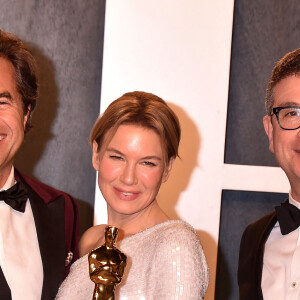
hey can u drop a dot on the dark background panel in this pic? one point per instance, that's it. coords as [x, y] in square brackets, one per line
[66, 37]
[263, 31]
[238, 209]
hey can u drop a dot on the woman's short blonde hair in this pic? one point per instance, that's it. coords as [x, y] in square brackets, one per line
[142, 109]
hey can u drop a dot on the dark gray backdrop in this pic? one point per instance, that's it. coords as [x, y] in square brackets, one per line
[66, 38]
[263, 31]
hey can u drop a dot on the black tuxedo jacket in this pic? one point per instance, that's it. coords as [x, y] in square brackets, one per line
[56, 220]
[251, 257]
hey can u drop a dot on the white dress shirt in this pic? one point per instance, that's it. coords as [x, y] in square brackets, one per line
[20, 257]
[281, 264]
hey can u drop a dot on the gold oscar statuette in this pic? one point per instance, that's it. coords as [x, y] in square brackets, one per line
[106, 266]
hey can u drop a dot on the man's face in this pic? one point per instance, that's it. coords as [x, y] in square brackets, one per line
[285, 144]
[12, 119]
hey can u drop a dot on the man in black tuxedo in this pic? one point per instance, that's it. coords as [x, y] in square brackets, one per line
[38, 224]
[269, 261]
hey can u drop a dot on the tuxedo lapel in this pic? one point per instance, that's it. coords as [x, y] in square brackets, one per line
[5, 293]
[251, 257]
[50, 227]
[261, 249]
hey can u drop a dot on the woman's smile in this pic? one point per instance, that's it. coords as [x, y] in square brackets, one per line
[127, 196]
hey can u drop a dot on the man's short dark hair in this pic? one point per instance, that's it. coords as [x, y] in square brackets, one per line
[289, 65]
[14, 50]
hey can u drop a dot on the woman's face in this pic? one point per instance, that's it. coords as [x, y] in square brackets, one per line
[130, 169]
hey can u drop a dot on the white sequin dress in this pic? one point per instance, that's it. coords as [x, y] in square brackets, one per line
[165, 261]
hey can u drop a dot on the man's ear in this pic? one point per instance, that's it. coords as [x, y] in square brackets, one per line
[26, 116]
[168, 169]
[96, 156]
[267, 121]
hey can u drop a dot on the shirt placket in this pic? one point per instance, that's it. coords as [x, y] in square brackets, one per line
[293, 290]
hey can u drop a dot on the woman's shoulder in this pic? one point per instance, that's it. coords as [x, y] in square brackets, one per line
[162, 235]
[179, 242]
[91, 239]
[177, 229]
[166, 235]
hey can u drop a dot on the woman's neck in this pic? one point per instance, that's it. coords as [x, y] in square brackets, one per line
[131, 224]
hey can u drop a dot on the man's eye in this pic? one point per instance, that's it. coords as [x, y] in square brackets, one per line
[5, 98]
[292, 113]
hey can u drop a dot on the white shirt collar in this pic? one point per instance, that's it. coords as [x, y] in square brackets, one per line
[10, 180]
[292, 201]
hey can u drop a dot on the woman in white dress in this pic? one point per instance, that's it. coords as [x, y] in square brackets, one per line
[135, 143]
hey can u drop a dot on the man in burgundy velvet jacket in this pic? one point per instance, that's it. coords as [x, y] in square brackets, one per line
[38, 224]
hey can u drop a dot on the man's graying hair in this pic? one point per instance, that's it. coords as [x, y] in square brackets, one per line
[289, 65]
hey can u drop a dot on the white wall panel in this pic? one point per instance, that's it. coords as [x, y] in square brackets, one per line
[179, 50]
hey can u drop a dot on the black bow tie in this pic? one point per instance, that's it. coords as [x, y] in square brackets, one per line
[288, 216]
[16, 197]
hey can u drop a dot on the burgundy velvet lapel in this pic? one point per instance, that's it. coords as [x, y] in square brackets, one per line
[5, 293]
[50, 226]
[46, 193]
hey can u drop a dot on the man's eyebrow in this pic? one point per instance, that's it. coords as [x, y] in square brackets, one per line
[5, 95]
[289, 103]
